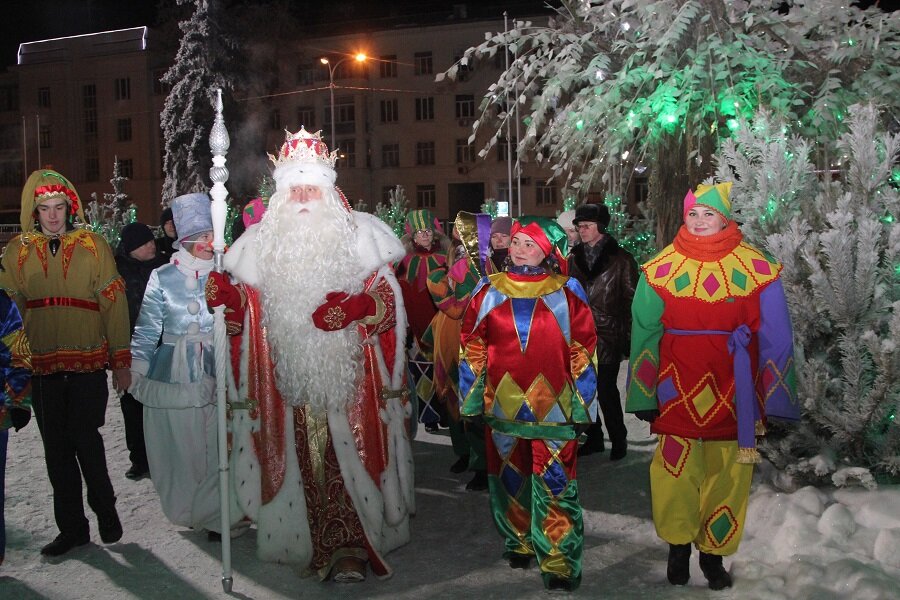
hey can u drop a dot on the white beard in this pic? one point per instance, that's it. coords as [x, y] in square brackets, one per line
[303, 256]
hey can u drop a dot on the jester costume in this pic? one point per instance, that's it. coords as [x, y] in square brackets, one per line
[527, 368]
[451, 287]
[412, 273]
[15, 389]
[712, 353]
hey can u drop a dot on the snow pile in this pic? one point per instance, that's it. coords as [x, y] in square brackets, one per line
[822, 543]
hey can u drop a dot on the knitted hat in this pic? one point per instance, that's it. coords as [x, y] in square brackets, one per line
[417, 220]
[565, 219]
[304, 159]
[596, 213]
[501, 225]
[192, 216]
[716, 197]
[133, 236]
[549, 235]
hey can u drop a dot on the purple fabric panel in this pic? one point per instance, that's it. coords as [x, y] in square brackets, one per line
[776, 346]
[483, 224]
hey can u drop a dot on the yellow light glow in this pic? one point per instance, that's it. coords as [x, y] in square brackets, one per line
[360, 57]
[323, 60]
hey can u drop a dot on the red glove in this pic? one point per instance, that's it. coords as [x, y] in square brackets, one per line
[340, 310]
[221, 292]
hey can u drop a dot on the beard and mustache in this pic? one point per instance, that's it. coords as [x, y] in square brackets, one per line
[306, 251]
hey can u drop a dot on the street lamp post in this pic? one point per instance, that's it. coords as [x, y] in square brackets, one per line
[332, 67]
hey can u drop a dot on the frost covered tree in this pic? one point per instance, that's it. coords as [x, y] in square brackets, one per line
[201, 65]
[394, 211]
[661, 82]
[108, 216]
[837, 235]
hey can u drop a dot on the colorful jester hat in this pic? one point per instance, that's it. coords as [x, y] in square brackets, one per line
[419, 220]
[46, 184]
[716, 197]
[548, 235]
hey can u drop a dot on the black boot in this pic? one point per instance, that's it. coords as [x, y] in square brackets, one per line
[479, 482]
[678, 570]
[715, 573]
[461, 465]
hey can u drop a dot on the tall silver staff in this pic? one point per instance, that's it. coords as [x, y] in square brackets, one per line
[218, 144]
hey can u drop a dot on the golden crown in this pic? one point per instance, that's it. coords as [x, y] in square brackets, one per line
[304, 147]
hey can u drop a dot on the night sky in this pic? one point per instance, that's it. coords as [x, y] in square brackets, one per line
[32, 20]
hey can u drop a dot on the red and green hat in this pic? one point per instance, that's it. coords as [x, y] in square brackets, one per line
[549, 235]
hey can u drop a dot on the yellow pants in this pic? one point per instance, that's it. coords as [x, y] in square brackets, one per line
[699, 493]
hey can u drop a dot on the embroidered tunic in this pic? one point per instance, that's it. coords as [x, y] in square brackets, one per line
[76, 318]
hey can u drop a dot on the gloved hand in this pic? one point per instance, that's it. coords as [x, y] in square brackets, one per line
[340, 310]
[19, 417]
[221, 292]
[647, 415]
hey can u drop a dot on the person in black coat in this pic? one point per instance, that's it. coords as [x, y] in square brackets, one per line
[136, 257]
[609, 274]
[164, 243]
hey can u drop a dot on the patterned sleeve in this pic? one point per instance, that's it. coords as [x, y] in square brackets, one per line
[582, 354]
[15, 361]
[473, 357]
[385, 317]
[646, 333]
[776, 380]
[110, 294]
[149, 326]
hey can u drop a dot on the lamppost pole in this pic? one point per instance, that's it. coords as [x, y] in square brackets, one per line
[359, 57]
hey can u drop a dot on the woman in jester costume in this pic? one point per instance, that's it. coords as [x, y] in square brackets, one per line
[426, 250]
[528, 370]
[451, 289]
[711, 359]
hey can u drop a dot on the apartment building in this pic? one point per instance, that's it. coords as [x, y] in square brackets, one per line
[78, 103]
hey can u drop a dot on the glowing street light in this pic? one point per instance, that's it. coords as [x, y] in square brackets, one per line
[332, 67]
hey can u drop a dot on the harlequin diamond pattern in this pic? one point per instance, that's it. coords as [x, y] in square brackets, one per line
[762, 267]
[704, 400]
[739, 279]
[674, 453]
[682, 281]
[711, 284]
[721, 526]
[557, 524]
[662, 270]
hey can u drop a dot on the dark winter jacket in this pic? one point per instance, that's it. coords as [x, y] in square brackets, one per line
[136, 273]
[609, 285]
[164, 248]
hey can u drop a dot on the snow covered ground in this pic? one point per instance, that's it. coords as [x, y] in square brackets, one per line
[813, 543]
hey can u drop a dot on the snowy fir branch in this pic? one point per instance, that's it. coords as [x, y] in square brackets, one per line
[836, 234]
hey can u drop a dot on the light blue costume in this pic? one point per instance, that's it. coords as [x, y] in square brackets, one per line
[178, 391]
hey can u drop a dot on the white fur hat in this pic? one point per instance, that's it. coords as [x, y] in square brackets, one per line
[565, 219]
[304, 159]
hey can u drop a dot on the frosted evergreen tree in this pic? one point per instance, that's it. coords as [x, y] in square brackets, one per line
[200, 67]
[661, 82]
[839, 241]
[108, 216]
[394, 212]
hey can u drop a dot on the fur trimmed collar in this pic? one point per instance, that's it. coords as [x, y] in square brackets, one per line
[610, 248]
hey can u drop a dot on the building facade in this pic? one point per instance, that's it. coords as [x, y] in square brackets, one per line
[79, 103]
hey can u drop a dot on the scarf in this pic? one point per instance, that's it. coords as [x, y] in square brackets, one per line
[708, 247]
